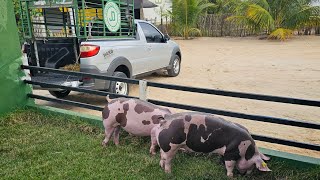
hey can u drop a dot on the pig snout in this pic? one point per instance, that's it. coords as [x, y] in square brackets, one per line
[250, 158]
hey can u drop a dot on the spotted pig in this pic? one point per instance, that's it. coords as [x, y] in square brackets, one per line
[135, 116]
[206, 133]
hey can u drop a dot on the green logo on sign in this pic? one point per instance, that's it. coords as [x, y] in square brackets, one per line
[111, 16]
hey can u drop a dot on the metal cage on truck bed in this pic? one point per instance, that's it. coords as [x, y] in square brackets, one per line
[84, 19]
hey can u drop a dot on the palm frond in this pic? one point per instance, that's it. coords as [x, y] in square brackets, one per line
[260, 16]
[281, 34]
[186, 14]
[263, 3]
[306, 15]
[194, 30]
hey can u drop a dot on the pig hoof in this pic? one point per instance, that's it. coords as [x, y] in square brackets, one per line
[230, 175]
[183, 150]
[152, 152]
[167, 171]
[161, 164]
[104, 144]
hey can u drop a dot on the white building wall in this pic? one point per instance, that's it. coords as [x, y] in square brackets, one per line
[155, 13]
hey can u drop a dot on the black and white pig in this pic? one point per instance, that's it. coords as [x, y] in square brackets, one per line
[135, 116]
[197, 132]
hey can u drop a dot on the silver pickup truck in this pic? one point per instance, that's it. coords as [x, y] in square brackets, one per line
[149, 51]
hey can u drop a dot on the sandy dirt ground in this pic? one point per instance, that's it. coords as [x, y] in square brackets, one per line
[290, 69]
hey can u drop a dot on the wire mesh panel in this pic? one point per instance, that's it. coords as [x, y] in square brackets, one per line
[96, 16]
[77, 18]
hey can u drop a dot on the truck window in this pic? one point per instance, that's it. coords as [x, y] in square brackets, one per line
[152, 34]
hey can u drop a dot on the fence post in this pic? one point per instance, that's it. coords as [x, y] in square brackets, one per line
[143, 90]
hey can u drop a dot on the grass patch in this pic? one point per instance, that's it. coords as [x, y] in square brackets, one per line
[33, 145]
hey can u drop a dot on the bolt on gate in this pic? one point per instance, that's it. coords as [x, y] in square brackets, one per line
[143, 85]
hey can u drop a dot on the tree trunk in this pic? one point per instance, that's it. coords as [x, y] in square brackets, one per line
[317, 31]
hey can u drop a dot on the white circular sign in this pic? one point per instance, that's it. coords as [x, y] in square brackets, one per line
[112, 16]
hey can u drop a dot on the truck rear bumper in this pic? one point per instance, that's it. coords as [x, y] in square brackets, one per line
[90, 83]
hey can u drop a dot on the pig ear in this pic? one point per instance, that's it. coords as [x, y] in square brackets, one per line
[262, 166]
[264, 157]
[162, 121]
[108, 98]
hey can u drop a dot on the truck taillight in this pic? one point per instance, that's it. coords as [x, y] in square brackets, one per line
[88, 50]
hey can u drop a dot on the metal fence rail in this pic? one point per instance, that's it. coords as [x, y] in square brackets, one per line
[260, 118]
[237, 94]
[240, 115]
[186, 88]
[81, 74]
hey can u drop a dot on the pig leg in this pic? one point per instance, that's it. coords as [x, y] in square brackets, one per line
[168, 158]
[116, 135]
[230, 166]
[162, 159]
[153, 142]
[108, 133]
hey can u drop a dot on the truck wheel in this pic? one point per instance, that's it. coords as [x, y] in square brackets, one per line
[119, 87]
[60, 94]
[175, 67]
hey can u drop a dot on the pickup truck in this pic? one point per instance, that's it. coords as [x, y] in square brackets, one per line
[148, 52]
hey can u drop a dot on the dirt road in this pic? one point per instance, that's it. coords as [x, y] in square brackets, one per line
[289, 69]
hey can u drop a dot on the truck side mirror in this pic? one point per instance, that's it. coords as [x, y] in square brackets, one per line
[166, 37]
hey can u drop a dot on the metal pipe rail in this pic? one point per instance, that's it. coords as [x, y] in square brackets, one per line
[267, 119]
[242, 95]
[89, 91]
[79, 74]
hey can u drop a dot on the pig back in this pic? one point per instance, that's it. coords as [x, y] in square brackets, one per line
[135, 116]
[201, 133]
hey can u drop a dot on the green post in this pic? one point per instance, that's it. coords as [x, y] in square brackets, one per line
[21, 17]
[104, 23]
[13, 92]
[76, 18]
[30, 29]
[119, 4]
[84, 19]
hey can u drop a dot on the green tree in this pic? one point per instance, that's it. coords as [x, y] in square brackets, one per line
[185, 14]
[223, 6]
[278, 18]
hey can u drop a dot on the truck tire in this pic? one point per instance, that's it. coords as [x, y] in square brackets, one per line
[119, 87]
[60, 94]
[175, 67]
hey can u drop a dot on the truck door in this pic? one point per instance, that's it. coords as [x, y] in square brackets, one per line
[159, 49]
